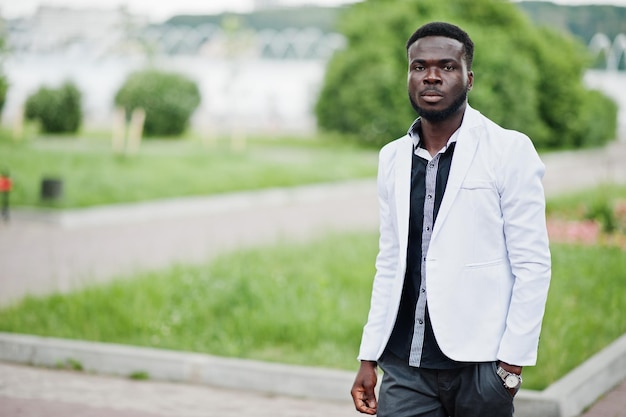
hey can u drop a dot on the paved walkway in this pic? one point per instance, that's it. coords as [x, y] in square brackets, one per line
[36, 392]
[40, 252]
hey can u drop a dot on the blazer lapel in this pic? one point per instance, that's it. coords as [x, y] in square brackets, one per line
[464, 151]
[404, 159]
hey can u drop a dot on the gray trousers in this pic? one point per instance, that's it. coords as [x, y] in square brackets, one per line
[471, 391]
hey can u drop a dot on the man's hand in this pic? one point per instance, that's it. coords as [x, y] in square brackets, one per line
[363, 388]
[514, 369]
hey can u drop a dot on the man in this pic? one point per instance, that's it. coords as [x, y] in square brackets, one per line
[463, 270]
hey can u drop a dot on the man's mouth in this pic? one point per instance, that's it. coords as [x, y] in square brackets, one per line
[431, 96]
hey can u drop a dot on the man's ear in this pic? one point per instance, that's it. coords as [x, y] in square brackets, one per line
[470, 80]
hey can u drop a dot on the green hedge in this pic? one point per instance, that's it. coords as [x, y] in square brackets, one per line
[4, 86]
[57, 109]
[526, 78]
[169, 100]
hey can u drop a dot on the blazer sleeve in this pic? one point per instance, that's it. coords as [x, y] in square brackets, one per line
[523, 210]
[386, 260]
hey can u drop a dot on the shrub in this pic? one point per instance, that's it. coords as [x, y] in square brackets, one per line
[58, 110]
[4, 83]
[526, 78]
[168, 99]
[4, 86]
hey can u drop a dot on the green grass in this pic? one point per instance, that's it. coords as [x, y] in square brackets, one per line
[139, 375]
[306, 304]
[599, 204]
[93, 175]
[293, 303]
[585, 309]
[577, 205]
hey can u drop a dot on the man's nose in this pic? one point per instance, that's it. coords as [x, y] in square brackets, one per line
[432, 76]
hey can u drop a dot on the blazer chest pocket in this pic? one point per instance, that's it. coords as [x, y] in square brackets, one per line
[478, 205]
[478, 185]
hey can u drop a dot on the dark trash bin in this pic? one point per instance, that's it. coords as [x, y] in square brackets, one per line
[51, 189]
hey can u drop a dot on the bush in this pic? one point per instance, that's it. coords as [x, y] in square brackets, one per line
[4, 86]
[58, 110]
[168, 99]
[526, 78]
[4, 83]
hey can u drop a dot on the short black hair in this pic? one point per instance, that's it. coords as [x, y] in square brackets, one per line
[447, 30]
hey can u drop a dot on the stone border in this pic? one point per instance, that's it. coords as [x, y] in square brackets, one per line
[184, 207]
[167, 365]
[568, 397]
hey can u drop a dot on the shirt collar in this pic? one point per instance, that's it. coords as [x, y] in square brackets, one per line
[414, 134]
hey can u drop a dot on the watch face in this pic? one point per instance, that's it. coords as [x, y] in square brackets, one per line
[511, 381]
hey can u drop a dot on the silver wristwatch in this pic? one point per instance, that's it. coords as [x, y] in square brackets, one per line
[510, 379]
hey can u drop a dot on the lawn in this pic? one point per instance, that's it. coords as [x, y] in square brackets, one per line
[268, 304]
[93, 174]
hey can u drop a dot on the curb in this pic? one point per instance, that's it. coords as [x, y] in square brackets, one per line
[568, 397]
[173, 366]
[585, 384]
[181, 207]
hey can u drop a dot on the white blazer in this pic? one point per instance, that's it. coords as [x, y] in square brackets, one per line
[488, 263]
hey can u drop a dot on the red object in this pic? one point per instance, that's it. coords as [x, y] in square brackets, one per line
[5, 184]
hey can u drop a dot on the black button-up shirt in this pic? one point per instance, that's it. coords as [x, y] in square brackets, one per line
[412, 337]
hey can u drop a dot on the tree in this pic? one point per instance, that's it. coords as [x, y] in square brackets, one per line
[526, 78]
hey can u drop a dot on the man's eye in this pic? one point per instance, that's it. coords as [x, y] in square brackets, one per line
[418, 68]
[448, 68]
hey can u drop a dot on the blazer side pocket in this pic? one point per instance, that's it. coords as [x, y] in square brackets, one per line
[486, 264]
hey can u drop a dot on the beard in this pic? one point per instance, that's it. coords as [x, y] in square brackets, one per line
[440, 115]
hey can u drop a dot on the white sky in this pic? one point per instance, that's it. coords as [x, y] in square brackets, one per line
[156, 9]
[159, 10]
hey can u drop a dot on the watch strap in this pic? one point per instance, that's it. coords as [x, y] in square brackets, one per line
[503, 373]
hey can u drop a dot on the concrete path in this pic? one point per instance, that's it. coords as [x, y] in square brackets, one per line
[42, 252]
[612, 405]
[37, 392]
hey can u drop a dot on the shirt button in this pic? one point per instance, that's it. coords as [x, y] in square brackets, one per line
[428, 228]
[431, 165]
[424, 259]
[429, 196]
[423, 290]
[420, 321]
